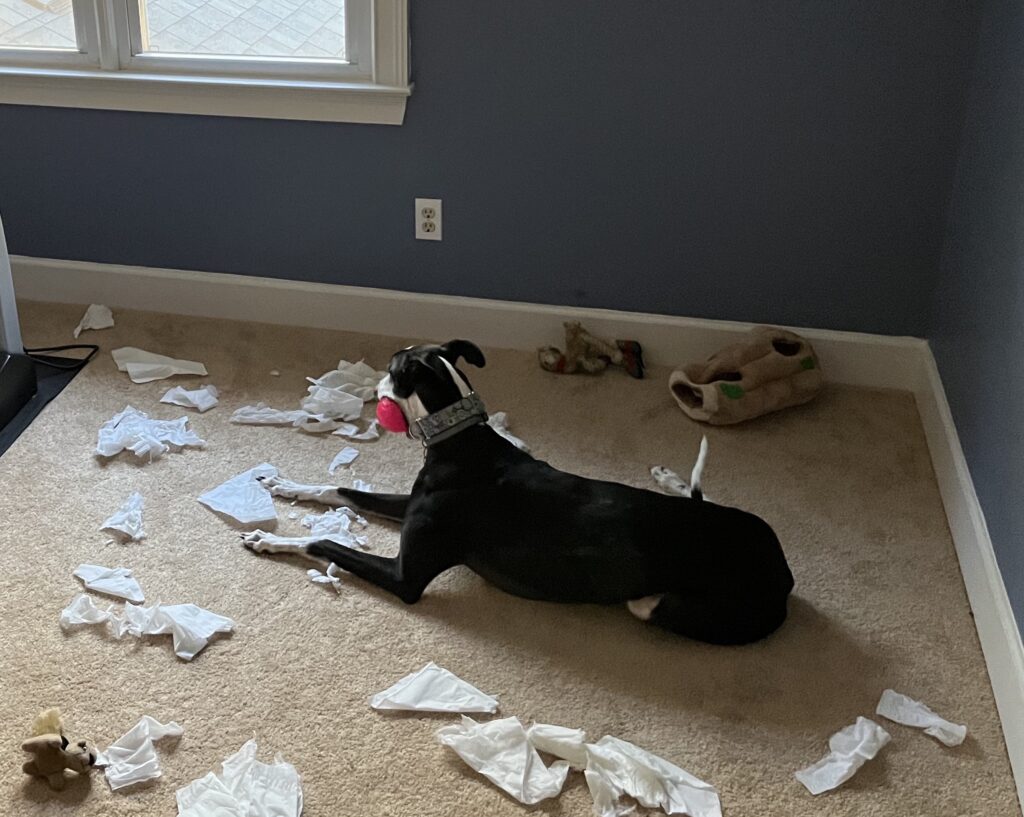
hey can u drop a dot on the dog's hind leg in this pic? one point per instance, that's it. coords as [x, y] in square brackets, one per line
[719, 617]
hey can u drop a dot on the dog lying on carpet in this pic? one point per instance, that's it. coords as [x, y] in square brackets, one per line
[709, 572]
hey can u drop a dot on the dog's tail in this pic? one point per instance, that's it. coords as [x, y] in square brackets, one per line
[698, 470]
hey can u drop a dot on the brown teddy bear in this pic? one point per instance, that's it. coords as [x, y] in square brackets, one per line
[584, 352]
[53, 753]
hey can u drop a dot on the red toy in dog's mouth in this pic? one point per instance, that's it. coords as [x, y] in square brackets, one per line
[390, 415]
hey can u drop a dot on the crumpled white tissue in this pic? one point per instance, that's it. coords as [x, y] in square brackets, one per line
[112, 581]
[336, 526]
[851, 748]
[901, 709]
[334, 403]
[244, 788]
[203, 398]
[96, 316]
[244, 498]
[359, 485]
[357, 379]
[560, 741]
[331, 576]
[144, 367]
[351, 430]
[499, 422]
[434, 689]
[190, 626]
[263, 415]
[132, 757]
[126, 522]
[616, 767]
[501, 752]
[133, 430]
[346, 456]
[670, 481]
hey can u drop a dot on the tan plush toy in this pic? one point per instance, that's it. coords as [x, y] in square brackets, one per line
[52, 753]
[773, 369]
[586, 353]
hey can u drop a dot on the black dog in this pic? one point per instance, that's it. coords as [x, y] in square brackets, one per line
[709, 572]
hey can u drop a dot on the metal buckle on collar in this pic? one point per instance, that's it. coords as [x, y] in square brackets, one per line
[449, 421]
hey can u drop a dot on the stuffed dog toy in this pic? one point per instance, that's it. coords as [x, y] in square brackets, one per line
[52, 753]
[706, 571]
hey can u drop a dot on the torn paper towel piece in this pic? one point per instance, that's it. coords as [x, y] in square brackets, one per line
[434, 689]
[850, 749]
[144, 367]
[616, 767]
[112, 581]
[324, 401]
[133, 430]
[126, 523]
[670, 481]
[203, 398]
[335, 526]
[244, 498]
[499, 422]
[132, 758]
[351, 430]
[96, 316]
[357, 379]
[190, 626]
[244, 788]
[263, 415]
[901, 709]
[560, 741]
[359, 485]
[346, 456]
[500, 751]
[331, 576]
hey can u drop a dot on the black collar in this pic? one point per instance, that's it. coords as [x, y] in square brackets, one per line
[449, 421]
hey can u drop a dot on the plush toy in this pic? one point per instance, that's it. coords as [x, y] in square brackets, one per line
[584, 352]
[772, 370]
[53, 753]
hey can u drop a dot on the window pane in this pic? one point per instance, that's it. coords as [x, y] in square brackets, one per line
[37, 23]
[264, 28]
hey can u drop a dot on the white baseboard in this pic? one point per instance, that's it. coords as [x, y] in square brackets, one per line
[846, 357]
[993, 616]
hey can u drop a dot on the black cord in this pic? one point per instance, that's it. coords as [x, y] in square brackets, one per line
[72, 363]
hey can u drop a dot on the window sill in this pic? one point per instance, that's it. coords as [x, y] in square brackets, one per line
[319, 101]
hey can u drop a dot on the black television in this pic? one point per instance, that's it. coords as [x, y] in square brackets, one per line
[17, 371]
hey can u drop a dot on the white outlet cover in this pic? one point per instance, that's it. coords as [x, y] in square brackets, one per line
[428, 229]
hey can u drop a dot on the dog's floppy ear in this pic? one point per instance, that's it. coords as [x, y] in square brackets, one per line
[454, 349]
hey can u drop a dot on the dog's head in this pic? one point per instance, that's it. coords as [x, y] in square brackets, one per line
[424, 379]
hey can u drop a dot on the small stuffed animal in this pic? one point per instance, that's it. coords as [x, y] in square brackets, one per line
[584, 352]
[53, 753]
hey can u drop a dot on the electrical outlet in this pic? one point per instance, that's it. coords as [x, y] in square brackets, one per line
[428, 219]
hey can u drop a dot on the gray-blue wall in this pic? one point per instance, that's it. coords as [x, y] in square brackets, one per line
[786, 161]
[977, 332]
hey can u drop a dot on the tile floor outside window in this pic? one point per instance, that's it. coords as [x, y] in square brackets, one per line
[273, 28]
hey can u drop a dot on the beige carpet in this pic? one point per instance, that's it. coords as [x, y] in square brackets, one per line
[846, 482]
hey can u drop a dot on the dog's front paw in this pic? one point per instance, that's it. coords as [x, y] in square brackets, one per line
[256, 541]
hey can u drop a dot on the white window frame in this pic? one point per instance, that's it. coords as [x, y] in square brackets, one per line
[108, 71]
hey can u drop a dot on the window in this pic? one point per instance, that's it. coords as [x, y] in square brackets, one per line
[333, 60]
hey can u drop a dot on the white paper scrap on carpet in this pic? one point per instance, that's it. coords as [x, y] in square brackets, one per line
[359, 485]
[243, 497]
[560, 741]
[346, 456]
[358, 379]
[263, 415]
[616, 767]
[97, 316]
[501, 752]
[144, 367]
[111, 581]
[190, 626]
[336, 526]
[351, 430]
[126, 522]
[204, 398]
[499, 422]
[245, 787]
[851, 748]
[132, 758]
[331, 576]
[907, 711]
[133, 430]
[434, 689]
